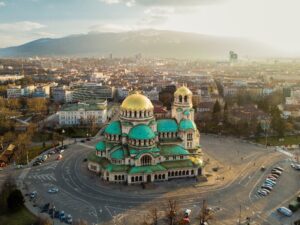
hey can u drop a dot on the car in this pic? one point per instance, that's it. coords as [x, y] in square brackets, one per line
[276, 175]
[262, 192]
[52, 212]
[61, 151]
[270, 181]
[33, 194]
[53, 190]
[285, 211]
[19, 166]
[45, 208]
[56, 214]
[82, 141]
[88, 139]
[62, 216]
[59, 157]
[276, 172]
[69, 219]
[267, 187]
[44, 158]
[272, 178]
[52, 152]
[36, 163]
[295, 166]
[279, 168]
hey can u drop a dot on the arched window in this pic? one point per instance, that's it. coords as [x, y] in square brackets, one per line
[146, 160]
[155, 177]
[132, 179]
[180, 98]
[163, 176]
[141, 178]
[159, 177]
[116, 177]
[185, 98]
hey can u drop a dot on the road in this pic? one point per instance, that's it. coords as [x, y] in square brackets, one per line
[83, 195]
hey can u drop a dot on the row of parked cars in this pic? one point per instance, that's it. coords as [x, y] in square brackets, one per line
[270, 181]
[58, 214]
[44, 157]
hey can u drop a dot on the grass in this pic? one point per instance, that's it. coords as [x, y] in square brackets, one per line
[21, 217]
[41, 137]
[275, 141]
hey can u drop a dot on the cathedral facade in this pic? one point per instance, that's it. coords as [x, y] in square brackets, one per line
[137, 148]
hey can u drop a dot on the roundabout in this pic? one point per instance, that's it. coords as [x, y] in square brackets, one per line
[85, 195]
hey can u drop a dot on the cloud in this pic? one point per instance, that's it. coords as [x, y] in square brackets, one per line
[163, 2]
[157, 15]
[20, 26]
[2, 4]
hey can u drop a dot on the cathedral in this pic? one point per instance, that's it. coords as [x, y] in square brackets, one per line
[137, 148]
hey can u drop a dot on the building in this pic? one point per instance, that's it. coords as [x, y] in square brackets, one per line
[92, 91]
[83, 113]
[138, 148]
[14, 92]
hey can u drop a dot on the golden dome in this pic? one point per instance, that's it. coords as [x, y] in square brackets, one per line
[183, 90]
[137, 101]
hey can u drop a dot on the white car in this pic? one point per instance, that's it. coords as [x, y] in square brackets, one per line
[53, 190]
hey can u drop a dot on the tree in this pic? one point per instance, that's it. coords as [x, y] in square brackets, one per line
[216, 114]
[22, 142]
[15, 200]
[277, 122]
[172, 210]
[80, 222]
[37, 105]
[6, 189]
[41, 220]
[205, 214]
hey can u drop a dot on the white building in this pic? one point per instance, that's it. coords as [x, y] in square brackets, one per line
[83, 113]
[14, 92]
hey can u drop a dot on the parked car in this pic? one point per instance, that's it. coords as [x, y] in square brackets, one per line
[44, 158]
[69, 219]
[59, 157]
[61, 151]
[279, 168]
[267, 187]
[82, 141]
[62, 216]
[56, 214]
[52, 152]
[263, 192]
[270, 181]
[276, 172]
[36, 163]
[45, 208]
[285, 211]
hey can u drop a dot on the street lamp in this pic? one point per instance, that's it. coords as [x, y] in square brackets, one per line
[62, 135]
[265, 124]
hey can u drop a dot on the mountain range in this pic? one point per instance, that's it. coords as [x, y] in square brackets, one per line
[150, 43]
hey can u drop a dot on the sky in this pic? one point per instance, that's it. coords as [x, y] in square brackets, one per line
[273, 22]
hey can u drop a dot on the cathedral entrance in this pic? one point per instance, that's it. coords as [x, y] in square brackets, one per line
[148, 178]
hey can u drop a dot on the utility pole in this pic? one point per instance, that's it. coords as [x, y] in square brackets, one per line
[240, 215]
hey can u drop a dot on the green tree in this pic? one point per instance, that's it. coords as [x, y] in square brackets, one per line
[216, 114]
[6, 189]
[15, 200]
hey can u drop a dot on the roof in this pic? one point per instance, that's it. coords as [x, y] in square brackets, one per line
[153, 151]
[141, 131]
[92, 157]
[183, 90]
[177, 164]
[167, 125]
[86, 106]
[186, 124]
[118, 153]
[146, 169]
[101, 146]
[173, 150]
[114, 128]
[117, 168]
[186, 112]
[137, 101]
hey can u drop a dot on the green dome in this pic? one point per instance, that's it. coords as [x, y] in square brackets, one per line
[186, 112]
[101, 146]
[167, 125]
[118, 154]
[114, 128]
[141, 132]
[186, 124]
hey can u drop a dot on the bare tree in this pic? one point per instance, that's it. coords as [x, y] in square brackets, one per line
[205, 214]
[172, 210]
[42, 220]
[154, 216]
[80, 222]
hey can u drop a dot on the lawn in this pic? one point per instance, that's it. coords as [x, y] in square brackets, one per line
[22, 217]
[276, 141]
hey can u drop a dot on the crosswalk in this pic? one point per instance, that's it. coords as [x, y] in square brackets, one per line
[43, 177]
